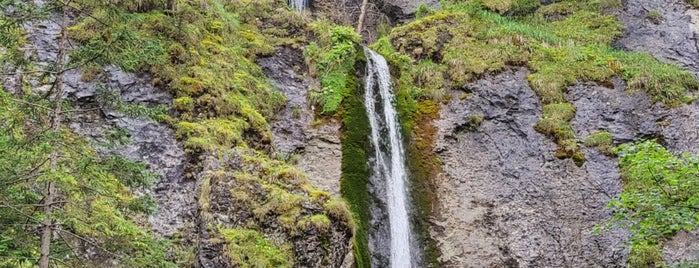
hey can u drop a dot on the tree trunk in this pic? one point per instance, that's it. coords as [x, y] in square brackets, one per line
[362, 15]
[56, 118]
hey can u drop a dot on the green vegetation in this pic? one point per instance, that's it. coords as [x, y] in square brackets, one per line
[204, 52]
[355, 171]
[603, 140]
[424, 166]
[654, 16]
[250, 249]
[474, 121]
[331, 60]
[513, 7]
[659, 198]
[97, 204]
[555, 122]
[561, 43]
[646, 255]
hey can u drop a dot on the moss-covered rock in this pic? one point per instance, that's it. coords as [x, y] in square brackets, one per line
[450, 47]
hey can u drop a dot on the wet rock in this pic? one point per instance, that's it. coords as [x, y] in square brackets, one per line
[285, 71]
[673, 40]
[504, 200]
[148, 141]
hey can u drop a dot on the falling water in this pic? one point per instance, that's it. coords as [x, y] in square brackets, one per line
[298, 4]
[389, 162]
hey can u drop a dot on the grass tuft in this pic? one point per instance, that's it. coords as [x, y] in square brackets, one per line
[603, 140]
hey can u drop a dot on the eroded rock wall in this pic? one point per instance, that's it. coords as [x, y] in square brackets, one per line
[672, 40]
[504, 200]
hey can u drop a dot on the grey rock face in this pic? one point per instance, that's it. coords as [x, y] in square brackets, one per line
[673, 40]
[409, 6]
[317, 148]
[321, 160]
[289, 126]
[684, 247]
[504, 200]
[149, 141]
[630, 116]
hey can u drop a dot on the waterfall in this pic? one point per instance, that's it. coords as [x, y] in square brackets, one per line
[298, 4]
[389, 157]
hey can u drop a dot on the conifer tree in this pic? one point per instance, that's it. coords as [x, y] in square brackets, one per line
[61, 203]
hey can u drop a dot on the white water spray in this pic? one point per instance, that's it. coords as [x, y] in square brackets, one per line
[390, 163]
[299, 5]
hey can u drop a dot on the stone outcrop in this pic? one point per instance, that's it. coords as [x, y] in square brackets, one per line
[313, 148]
[504, 200]
[673, 40]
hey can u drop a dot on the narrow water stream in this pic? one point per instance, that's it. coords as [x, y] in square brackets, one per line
[388, 167]
[298, 4]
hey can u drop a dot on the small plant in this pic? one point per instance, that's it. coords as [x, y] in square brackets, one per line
[654, 16]
[296, 112]
[423, 11]
[249, 248]
[474, 121]
[602, 140]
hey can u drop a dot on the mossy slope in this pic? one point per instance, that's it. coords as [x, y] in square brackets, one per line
[204, 52]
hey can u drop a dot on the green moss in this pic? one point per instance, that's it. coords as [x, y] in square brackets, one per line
[184, 104]
[338, 209]
[474, 121]
[555, 122]
[249, 248]
[579, 158]
[514, 7]
[464, 40]
[355, 172]
[319, 221]
[424, 166]
[423, 11]
[567, 7]
[204, 52]
[654, 16]
[603, 140]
